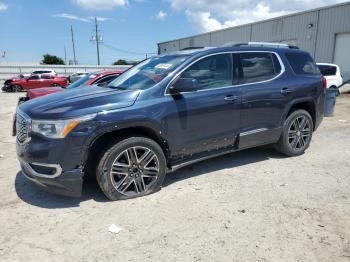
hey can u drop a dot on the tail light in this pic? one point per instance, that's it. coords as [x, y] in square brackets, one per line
[324, 82]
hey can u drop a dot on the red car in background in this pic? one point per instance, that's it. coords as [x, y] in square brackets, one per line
[97, 78]
[34, 81]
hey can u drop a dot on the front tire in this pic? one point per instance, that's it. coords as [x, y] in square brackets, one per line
[296, 134]
[16, 88]
[133, 167]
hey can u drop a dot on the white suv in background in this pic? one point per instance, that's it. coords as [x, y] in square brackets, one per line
[332, 74]
[45, 72]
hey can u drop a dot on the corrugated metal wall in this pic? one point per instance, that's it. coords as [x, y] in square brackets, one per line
[313, 31]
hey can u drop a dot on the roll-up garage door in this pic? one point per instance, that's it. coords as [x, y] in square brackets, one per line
[342, 54]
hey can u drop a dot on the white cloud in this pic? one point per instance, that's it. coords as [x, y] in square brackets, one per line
[3, 6]
[101, 18]
[82, 19]
[208, 15]
[72, 17]
[101, 4]
[161, 15]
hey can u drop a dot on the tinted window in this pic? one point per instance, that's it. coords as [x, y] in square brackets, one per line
[327, 70]
[42, 72]
[257, 67]
[34, 77]
[105, 80]
[46, 77]
[211, 72]
[302, 64]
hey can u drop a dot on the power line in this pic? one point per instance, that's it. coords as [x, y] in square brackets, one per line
[126, 51]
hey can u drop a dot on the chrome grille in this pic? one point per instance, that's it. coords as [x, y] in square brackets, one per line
[22, 128]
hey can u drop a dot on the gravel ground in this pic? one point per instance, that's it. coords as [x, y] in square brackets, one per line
[253, 205]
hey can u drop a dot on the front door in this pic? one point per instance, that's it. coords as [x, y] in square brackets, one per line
[207, 119]
[34, 81]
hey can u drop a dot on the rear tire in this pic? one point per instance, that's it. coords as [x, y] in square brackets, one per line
[296, 134]
[133, 167]
[55, 85]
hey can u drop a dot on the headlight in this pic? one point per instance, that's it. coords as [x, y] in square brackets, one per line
[58, 128]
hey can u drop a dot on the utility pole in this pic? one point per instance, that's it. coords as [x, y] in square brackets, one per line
[74, 57]
[65, 54]
[98, 39]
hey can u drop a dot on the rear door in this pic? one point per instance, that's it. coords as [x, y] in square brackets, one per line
[207, 119]
[264, 96]
[47, 80]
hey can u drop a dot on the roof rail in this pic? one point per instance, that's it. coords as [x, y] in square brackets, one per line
[267, 44]
[192, 47]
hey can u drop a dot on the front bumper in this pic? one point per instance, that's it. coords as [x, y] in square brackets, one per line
[54, 165]
[6, 88]
[63, 183]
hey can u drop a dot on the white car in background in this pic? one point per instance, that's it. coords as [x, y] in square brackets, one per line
[45, 72]
[332, 74]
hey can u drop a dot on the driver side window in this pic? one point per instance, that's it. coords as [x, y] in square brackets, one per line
[33, 77]
[212, 72]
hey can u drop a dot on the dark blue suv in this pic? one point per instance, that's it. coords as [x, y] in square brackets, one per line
[169, 111]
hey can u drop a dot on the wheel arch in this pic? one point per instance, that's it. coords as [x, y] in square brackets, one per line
[16, 84]
[306, 104]
[106, 139]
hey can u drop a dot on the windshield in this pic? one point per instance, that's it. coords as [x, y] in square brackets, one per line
[147, 73]
[82, 81]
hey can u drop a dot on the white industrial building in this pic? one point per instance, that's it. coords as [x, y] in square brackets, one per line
[324, 32]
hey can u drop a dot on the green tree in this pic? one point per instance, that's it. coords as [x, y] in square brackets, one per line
[120, 62]
[52, 60]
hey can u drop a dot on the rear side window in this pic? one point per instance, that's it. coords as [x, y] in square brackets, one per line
[46, 77]
[327, 70]
[302, 64]
[259, 66]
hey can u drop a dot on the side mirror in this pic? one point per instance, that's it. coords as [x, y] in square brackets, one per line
[183, 85]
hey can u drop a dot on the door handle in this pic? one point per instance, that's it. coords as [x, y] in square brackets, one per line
[231, 98]
[286, 91]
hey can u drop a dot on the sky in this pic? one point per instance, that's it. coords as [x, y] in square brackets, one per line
[129, 28]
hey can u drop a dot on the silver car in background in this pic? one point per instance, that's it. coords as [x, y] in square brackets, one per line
[76, 76]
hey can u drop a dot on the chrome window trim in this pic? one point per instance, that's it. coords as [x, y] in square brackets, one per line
[28, 126]
[36, 174]
[283, 69]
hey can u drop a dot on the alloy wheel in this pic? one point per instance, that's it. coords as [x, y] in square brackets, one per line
[17, 88]
[134, 171]
[299, 133]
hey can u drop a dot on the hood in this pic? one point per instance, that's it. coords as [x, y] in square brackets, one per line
[77, 102]
[33, 93]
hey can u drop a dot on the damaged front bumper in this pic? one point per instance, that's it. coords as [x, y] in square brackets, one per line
[54, 165]
[51, 178]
